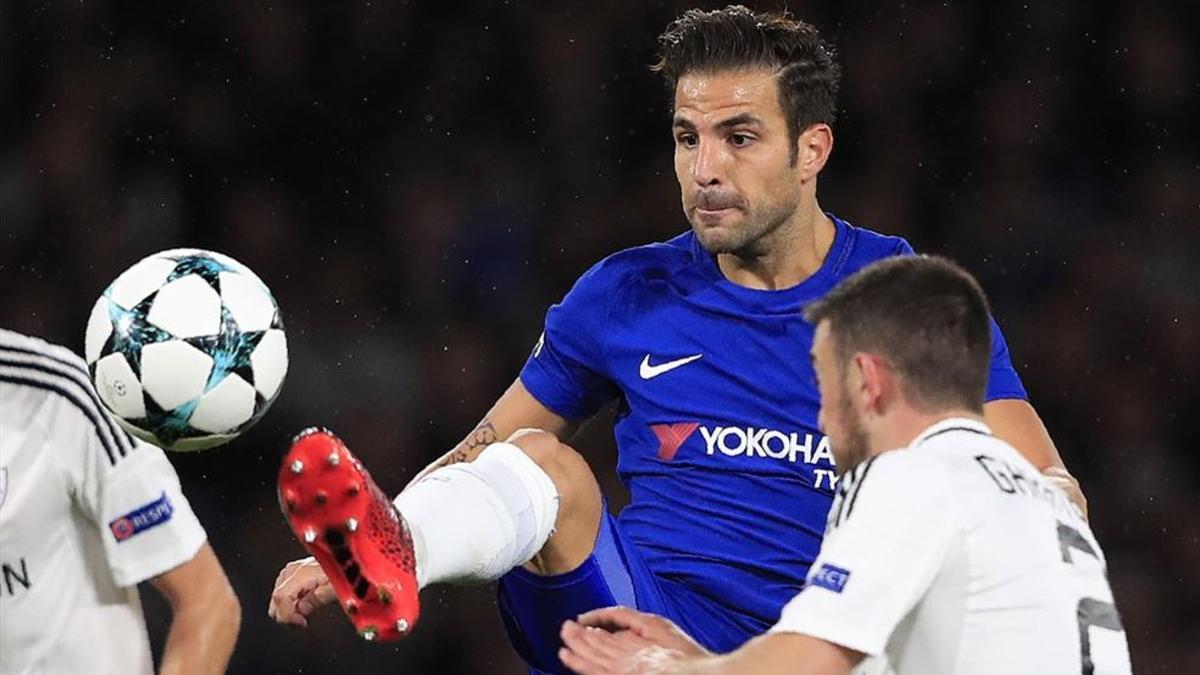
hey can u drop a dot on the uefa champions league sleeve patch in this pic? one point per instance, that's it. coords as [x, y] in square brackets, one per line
[139, 520]
[830, 578]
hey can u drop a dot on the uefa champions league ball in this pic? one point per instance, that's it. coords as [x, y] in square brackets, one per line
[186, 349]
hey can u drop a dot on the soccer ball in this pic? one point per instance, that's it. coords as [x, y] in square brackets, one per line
[186, 349]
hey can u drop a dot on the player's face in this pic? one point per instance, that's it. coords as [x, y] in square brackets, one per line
[733, 158]
[838, 419]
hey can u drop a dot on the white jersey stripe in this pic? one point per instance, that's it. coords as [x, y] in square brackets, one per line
[857, 487]
[19, 357]
[45, 369]
[37, 378]
[75, 367]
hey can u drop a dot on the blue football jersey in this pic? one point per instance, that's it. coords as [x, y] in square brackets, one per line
[729, 478]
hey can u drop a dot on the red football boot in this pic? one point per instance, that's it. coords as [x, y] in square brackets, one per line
[350, 526]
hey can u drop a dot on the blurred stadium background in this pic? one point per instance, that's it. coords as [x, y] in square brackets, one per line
[418, 181]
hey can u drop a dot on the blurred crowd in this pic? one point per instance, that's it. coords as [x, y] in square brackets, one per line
[418, 181]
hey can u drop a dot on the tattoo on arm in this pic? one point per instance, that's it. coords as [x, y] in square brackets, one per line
[483, 436]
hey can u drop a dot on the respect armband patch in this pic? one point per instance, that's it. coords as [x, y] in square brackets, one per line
[830, 577]
[143, 518]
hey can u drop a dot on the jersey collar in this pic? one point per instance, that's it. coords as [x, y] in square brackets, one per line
[951, 424]
[786, 300]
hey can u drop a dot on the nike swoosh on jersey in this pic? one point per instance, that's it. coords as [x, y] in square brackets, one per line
[648, 371]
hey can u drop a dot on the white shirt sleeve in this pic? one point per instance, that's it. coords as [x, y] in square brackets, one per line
[888, 535]
[146, 523]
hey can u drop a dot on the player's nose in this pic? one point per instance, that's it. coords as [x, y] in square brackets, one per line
[707, 164]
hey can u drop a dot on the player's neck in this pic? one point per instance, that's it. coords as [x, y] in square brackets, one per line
[785, 257]
[905, 426]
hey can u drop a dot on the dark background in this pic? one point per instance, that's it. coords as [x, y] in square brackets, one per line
[417, 182]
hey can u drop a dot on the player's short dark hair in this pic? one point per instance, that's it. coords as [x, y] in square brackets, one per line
[927, 316]
[737, 37]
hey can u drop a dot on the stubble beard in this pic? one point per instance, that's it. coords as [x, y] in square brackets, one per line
[855, 444]
[750, 239]
[754, 236]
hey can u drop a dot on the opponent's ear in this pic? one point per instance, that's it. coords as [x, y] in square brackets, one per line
[874, 378]
[813, 147]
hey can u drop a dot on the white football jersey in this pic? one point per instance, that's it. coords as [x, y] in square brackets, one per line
[86, 512]
[955, 555]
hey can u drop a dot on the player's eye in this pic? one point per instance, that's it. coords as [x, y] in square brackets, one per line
[687, 140]
[740, 140]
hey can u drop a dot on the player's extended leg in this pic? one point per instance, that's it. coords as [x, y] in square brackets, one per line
[350, 527]
[580, 503]
[530, 500]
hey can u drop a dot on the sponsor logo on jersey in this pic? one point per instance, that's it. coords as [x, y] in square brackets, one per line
[755, 442]
[671, 436]
[647, 371]
[139, 520]
[744, 442]
[830, 577]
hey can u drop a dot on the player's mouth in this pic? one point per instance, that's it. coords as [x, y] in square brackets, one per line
[710, 207]
[712, 216]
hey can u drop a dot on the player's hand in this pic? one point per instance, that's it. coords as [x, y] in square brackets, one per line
[300, 589]
[1063, 479]
[590, 650]
[654, 629]
[623, 640]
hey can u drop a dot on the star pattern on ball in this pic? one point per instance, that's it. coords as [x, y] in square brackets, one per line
[167, 425]
[204, 266]
[230, 349]
[131, 332]
[185, 314]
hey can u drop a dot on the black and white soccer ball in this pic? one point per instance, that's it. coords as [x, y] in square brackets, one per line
[187, 349]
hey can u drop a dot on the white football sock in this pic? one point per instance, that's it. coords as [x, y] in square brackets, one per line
[473, 522]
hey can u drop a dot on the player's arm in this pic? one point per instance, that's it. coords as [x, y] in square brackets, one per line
[149, 532]
[205, 615]
[778, 654]
[1015, 422]
[515, 409]
[623, 640]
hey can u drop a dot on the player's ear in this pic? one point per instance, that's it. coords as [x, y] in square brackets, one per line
[813, 148]
[856, 380]
[872, 381]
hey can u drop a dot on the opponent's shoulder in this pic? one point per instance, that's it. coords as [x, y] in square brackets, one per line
[893, 486]
[14, 345]
[906, 465]
[954, 446]
[902, 476]
[42, 371]
[51, 386]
